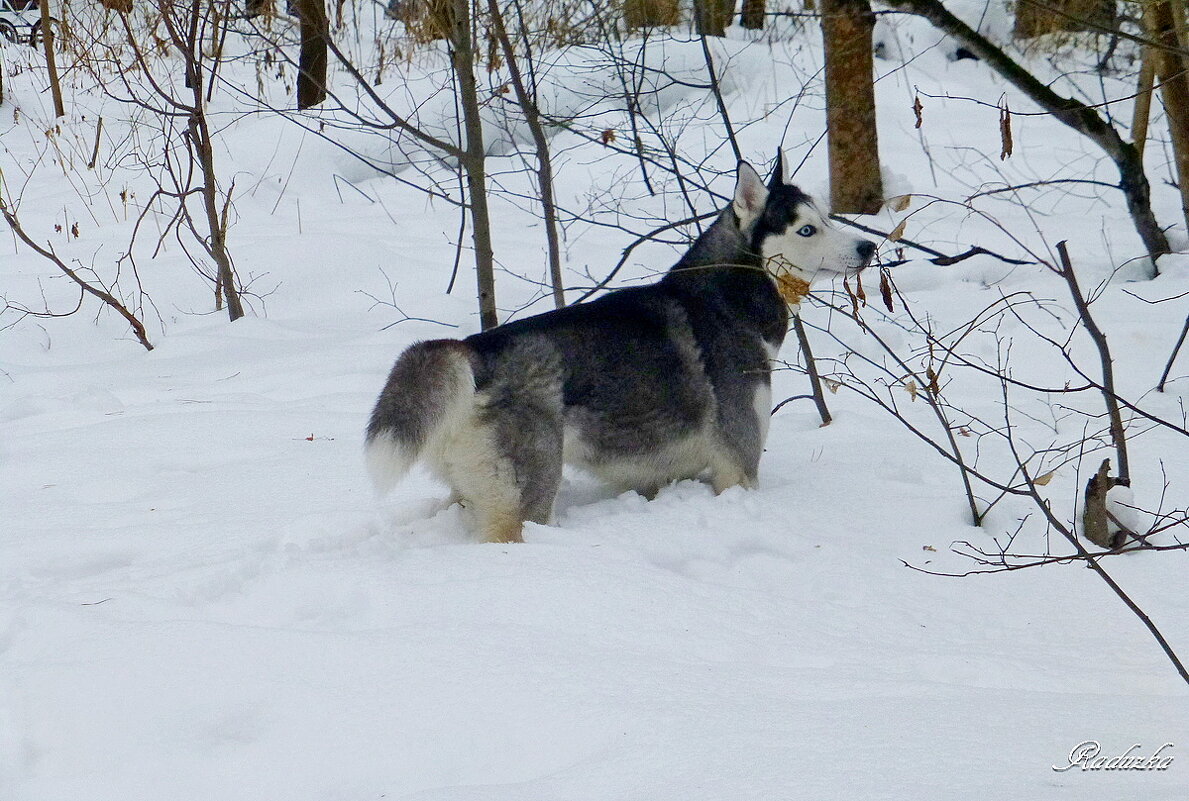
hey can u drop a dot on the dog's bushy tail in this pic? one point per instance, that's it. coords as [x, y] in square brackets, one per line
[431, 389]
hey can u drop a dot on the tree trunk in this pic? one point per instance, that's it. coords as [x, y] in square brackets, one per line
[311, 75]
[650, 13]
[187, 38]
[713, 17]
[462, 58]
[752, 15]
[51, 64]
[1142, 112]
[1038, 17]
[216, 222]
[855, 183]
[1174, 88]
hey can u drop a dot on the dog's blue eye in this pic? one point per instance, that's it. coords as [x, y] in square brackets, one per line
[807, 230]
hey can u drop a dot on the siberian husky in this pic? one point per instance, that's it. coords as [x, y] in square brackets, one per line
[642, 387]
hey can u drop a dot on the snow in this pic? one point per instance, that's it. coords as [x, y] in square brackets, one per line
[201, 599]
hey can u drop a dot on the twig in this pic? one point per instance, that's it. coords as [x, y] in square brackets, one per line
[815, 380]
[714, 86]
[939, 258]
[1104, 354]
[1038, 560]
[627, 251]
[111, 300]
[1172, 358]
[95, 150]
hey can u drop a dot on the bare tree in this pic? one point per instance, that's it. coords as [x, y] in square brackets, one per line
[1084, 119]
[474, 159]
[51, 64]
[1009, 460]
[526, 98]
[364, 109]
[188, 153]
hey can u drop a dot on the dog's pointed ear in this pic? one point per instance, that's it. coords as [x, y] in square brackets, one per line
[750, 194]
[778, 176]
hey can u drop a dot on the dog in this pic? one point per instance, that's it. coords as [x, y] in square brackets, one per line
[642, 386]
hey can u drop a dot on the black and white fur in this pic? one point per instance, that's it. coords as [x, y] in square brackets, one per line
[643, 386]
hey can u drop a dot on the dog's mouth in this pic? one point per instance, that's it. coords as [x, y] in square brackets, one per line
[866, 257]
[847, 271]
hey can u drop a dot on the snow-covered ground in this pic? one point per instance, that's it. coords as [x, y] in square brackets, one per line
[200, 598]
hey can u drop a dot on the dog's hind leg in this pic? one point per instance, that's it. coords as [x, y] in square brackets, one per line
[538, 472]
[515, 474]
[481, 478]
[511, 470]
[529, 431]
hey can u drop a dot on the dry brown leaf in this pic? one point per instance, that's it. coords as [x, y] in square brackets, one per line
[1005, 132]
[791, 288]
[850, 293]
[885, 290]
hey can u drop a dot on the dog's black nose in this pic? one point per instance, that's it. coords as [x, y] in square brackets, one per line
[866, 251]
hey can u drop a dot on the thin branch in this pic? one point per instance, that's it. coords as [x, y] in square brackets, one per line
[106, 297]
[1173, 357]
[1104, 355]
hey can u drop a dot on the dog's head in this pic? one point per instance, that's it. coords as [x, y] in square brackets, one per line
[798, 243]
